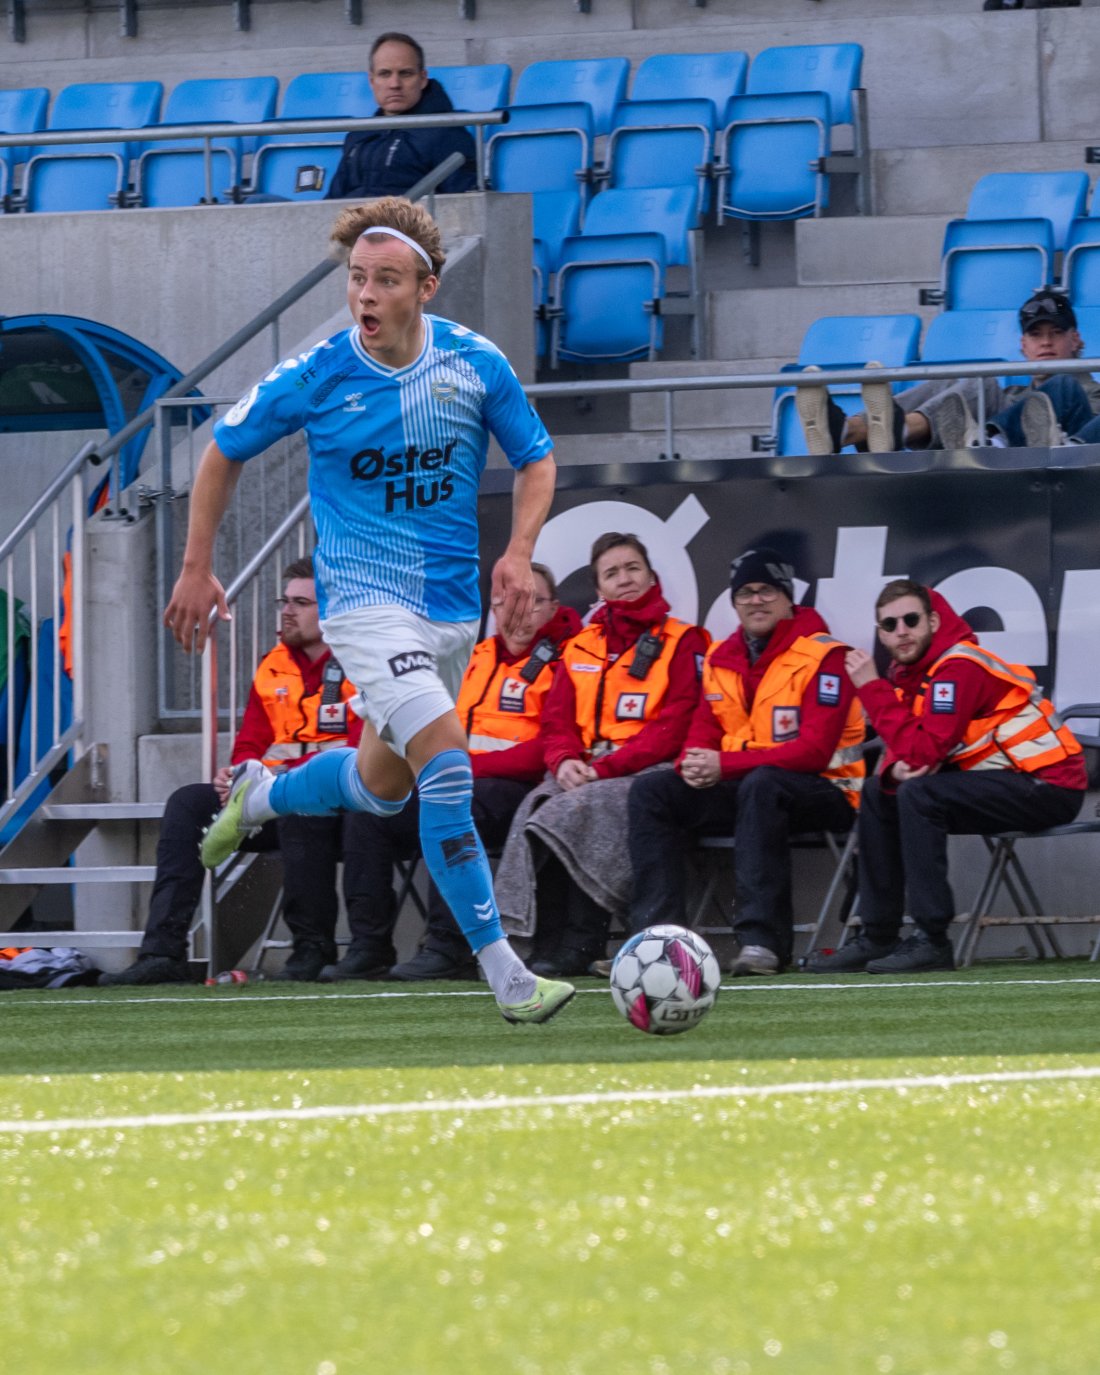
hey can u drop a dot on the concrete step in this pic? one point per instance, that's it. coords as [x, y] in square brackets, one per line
[102, 873]
[889, 249]
[719, 442]
[103, 811]
[702, 410]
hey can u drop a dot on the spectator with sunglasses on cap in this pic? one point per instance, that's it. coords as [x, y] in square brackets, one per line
[972, 748]
[1038, 412]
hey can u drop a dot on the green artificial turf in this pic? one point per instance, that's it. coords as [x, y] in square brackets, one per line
[760, 1194]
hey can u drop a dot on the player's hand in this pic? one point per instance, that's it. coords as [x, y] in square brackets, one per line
[700, 768]
[188, 612]
[513, 592]
[860, 667]
[574, 773]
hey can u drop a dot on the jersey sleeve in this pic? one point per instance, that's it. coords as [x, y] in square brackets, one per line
[511, 418]
[273, 409]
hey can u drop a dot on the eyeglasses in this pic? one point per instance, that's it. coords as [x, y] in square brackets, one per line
[890, 623]
[755, 594]
[298, 603]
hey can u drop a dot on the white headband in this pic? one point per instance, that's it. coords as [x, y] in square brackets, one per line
[397, 234]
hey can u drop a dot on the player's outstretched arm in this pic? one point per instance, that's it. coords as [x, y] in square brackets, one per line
[513, 584]
[197, 590]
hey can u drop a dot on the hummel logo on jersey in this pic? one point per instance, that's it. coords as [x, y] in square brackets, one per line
[353, 401]
[943, 698]
[411, 661]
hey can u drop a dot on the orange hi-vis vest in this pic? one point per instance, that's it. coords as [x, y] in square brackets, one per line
[776, 710]
[499, 708]
[1023, 732]
[611, 705]
[301, 724]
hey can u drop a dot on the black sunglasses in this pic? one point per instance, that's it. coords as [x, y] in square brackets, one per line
[890, 623]
[1044, 308]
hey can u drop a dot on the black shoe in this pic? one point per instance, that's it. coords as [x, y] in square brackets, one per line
[305, 964]
[918, 952]
[150, 969]
[434, 964]
[566, 962]
[361, 963]
[852, 958]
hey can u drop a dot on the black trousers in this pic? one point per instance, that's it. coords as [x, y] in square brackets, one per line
[903, 838]
[311, 847]
[762, 809]
[380, 840]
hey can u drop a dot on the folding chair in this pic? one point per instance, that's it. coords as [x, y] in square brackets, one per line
[1006, 871]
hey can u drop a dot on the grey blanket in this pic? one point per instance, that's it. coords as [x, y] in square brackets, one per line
[586, 829]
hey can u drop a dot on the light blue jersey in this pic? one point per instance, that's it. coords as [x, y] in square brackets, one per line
[396, 457]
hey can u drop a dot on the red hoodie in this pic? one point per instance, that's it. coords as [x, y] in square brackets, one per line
[821, 726]
[524, 762]
[255, 735]
[927, 740]
[658, 740]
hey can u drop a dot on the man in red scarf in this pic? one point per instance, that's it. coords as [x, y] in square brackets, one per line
[773, 747]
[972, 748]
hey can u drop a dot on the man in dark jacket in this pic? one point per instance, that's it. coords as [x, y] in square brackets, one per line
[390, 162]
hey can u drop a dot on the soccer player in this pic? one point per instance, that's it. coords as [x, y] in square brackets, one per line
[398, 411]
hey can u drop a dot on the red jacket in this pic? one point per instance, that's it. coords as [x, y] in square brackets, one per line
[820, 725]
[658, 740]
[927, 740]
[524, 762]
[256, 734]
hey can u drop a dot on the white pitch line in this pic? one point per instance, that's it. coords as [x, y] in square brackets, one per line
[340, 1111]
[875, 984]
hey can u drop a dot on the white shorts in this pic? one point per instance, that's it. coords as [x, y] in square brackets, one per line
[407, 669]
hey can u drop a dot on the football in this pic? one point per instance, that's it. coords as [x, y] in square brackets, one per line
[665, 980]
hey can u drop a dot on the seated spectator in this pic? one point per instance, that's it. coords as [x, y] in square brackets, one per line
[297, 706]
[773, 748]
[972, 748]
[391, 161]
[620, 703]
[499, 704]
[941, 414]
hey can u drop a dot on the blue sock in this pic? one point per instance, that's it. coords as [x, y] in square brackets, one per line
[452, 847]
[326, 784]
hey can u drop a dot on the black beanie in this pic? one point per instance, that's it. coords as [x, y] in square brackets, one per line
[762, 565]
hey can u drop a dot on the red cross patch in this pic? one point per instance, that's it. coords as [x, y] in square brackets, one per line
[631, 706]
[785, 724]
[943, 697]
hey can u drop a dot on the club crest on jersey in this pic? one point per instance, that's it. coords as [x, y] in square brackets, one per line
[412, 661]
[785, 723]
[445, 387]
[943, 697]
[631, 706]
[828, 689]
[512, 694]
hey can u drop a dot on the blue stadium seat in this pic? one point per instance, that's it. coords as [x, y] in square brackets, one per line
[555, 216]
[662, 143]
[599, 82]
[541, 148]
[21, 112]
[1081, 265]
[300, 166]
[478, 88]
[611, 295]
[171, 172]
[995, 264]
[1088, 326]
[974, 336]
[1055, 196]
[777, 136]
[685, 76]
[90, 176]
[838, 342]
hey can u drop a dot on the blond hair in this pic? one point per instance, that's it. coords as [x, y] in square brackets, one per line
[392, 212]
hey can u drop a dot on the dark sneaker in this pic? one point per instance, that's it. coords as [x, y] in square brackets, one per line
[360, 963]
[152, 969]
[305, 964]
[755, 959]
[434, 964]
[601, 969]
[885, 418]
[852, 958]
[914, 955]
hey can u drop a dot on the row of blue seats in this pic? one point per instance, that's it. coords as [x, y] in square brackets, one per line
[1022, 230]
[696, 108]
[954, 336]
